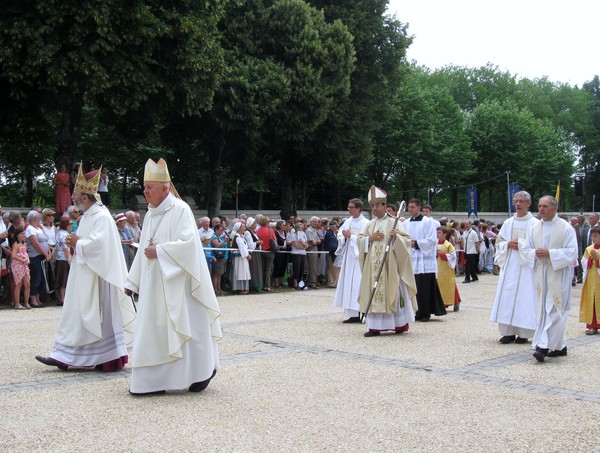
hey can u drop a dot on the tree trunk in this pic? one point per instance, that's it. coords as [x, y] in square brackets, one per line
[124, 199]
[260, 200]
[454, 199]
[215, 139]
[304, 203]
[29, 188]
[287, 196]
[70, 128]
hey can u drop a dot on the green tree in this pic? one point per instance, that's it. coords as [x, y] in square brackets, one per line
[471, 87]
[286, 66]
[422, 143]
[125, 55]
[346, 141]
[507, 138]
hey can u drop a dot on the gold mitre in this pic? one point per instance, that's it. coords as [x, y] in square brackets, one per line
[377, 195]
[158, 172]
[88, 183]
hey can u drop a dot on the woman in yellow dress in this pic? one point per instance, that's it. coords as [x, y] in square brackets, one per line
[589, 310]
[446, 261]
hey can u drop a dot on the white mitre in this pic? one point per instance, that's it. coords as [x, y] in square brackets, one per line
[377, 195]
[158, 172]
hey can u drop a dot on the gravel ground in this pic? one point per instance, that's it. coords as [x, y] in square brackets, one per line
[294, 378]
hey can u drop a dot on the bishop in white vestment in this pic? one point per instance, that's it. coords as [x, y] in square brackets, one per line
[177, 327]
[388, 301]
[96, 309]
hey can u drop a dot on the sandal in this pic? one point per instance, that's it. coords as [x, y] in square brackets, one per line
[591, 332]
[19, 307]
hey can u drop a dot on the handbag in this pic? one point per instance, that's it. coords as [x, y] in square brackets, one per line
[4, 268]
[219, 253]
[274, 246]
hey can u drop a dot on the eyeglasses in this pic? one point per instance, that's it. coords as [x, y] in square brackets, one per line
[351, 207]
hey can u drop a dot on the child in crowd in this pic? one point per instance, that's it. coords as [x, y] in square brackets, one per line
[589, 310]
[446, 261]
[20, 270]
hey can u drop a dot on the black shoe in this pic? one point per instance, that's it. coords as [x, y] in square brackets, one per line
[372, 333]
[158, 392]
[561, 353]
[352, 320]
[466, 281]
[521, 340]
[456, 307]
[475, 279]
[573, 284]
[540, 353]
[50, 362]
[199, 386]
[507, 339]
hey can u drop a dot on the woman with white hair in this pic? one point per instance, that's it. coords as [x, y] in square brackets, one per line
[38, 251]
[240, 277]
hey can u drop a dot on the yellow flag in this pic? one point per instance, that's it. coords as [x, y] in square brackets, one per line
[558, 191]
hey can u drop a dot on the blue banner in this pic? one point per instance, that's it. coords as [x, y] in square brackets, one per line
[513, 190]
[471, 201]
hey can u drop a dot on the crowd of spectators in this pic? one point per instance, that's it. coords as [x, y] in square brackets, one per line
[36, 259]
[246, 254]
[258, 254]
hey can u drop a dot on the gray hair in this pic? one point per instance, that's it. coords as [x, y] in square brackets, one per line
[13, 216]
[32, 215]
[553, 201]
[522, 193]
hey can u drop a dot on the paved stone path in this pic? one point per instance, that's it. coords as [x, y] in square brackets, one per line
[473, 372]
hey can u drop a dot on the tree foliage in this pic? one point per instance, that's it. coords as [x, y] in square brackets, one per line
[306, 103]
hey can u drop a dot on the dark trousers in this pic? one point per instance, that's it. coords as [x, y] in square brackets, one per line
[298, 266]
[471, 266]
[35, 272]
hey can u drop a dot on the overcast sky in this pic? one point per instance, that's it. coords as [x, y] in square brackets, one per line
[528, 38]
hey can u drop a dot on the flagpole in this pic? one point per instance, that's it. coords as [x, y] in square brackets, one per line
[508, 192]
